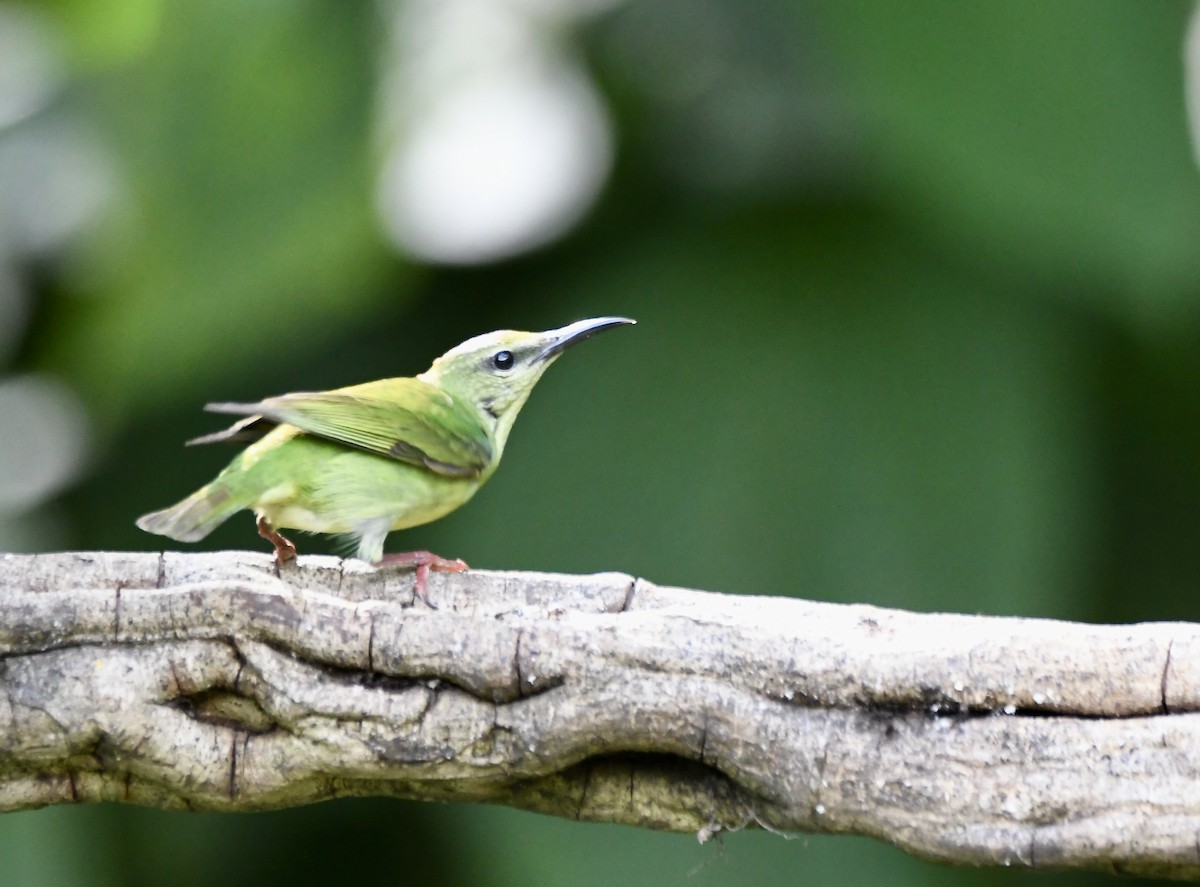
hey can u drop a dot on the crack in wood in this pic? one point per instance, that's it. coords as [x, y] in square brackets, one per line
[371, 646]
[589, 768]
[629, 592]
[818, 782]
[1166, 672]
[516, 662]
[233, 758]
[177, 685]
[228, 708]
[116, 633]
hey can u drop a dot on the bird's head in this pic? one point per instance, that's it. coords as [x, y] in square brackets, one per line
[496, 371]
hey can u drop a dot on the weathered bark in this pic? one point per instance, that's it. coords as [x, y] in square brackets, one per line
[212, 681]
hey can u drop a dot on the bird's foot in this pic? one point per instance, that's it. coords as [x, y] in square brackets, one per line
[284, 549]
[424, 561]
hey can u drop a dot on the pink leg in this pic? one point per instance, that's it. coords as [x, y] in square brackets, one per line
[284, 550]
[424, 561]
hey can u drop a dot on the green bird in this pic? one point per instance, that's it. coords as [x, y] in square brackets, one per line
[365, 460]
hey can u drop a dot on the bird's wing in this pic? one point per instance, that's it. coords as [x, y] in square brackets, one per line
[403, 419]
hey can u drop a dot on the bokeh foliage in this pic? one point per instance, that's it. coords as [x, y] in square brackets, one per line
[918, 290]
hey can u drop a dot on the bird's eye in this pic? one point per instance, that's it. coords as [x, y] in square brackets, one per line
[503, 360]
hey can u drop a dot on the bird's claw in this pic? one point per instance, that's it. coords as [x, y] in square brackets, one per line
[424, 561]
[284, 549]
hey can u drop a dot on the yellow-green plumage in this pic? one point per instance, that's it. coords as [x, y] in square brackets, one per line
[377, 457]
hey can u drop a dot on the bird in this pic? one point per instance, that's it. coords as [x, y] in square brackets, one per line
[367, 459]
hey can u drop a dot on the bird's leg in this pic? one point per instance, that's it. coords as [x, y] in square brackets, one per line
[424, 561]
[284, 549]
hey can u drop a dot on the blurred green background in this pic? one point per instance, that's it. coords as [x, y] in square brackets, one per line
[918, 291]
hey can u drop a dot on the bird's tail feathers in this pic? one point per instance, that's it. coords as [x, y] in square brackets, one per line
[196, 516]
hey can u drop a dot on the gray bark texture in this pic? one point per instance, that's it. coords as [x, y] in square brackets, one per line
[216, 681]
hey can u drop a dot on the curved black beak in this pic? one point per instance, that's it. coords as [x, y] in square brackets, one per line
[563, 338]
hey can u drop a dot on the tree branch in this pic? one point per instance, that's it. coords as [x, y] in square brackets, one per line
[213, 681]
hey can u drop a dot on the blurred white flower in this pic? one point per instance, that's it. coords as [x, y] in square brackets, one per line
[53, 180]
[43, 440]
[495, 140]
[31, 66]
[52, 175]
